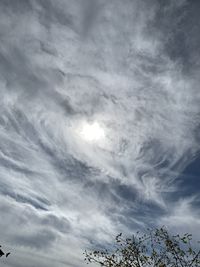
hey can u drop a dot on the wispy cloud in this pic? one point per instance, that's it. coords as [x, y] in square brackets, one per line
[121, 64]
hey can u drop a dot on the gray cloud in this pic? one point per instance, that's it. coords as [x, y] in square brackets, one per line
[131, 66]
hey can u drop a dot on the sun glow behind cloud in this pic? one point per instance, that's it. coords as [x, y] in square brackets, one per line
[92, 132]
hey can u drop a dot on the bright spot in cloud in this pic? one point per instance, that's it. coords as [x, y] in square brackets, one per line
[92, 132]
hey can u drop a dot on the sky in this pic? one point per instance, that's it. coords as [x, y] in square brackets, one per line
[99, 124]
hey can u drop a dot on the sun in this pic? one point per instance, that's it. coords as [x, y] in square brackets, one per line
[92, 132]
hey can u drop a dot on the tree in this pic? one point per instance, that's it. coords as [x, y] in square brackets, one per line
[155, 248]
[2, 253]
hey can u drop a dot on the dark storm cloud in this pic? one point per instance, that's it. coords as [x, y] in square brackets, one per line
[131, 66]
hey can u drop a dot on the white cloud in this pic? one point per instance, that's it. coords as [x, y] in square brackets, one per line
[66, 63]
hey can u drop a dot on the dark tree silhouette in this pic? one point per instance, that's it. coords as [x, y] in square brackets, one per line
[7, 254]
[155, 248]
[2, 253]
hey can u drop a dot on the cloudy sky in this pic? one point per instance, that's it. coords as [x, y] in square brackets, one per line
[99, 124]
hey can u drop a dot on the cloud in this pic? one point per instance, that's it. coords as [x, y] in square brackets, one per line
[121, 64]
[184, 217]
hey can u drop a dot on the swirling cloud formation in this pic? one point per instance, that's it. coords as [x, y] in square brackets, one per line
[125, 71]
